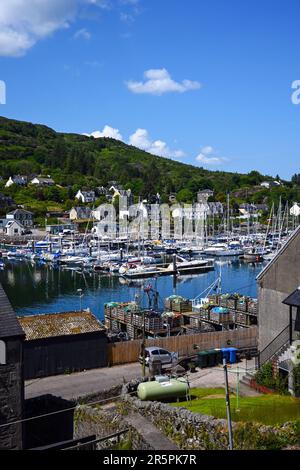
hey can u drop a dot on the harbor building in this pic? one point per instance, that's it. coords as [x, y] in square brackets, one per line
[11, 376]
[279, 305]
[58, 343]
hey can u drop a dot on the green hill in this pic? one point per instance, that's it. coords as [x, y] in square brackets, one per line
[75, 161]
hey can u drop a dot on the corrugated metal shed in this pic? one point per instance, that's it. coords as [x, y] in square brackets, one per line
[59, 324]
[9, 325]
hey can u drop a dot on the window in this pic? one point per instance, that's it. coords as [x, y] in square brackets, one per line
[163, 351]
[155, 352]
[2, 352]
[15, 230]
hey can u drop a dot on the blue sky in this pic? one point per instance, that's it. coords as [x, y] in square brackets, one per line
[205, 82]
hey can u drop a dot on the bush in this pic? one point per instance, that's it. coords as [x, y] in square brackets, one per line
[265, 376]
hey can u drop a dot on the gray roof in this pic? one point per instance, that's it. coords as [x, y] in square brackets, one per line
[9, 325]
[279, 253]
[293, 299]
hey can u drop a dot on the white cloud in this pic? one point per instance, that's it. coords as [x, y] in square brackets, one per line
[82, 33]
[140, 138]
[207, 156]
[159, 81]
[24, 22]
[106, 132]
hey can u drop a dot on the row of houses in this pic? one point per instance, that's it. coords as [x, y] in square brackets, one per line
[23, 180]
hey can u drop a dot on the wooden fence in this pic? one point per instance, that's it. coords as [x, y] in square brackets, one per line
[126, 352]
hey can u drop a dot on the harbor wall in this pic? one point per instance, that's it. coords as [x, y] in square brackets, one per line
[129, 351]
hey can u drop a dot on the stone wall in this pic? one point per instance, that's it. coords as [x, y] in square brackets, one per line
[193, 431]
[10, 436]
[102, 422]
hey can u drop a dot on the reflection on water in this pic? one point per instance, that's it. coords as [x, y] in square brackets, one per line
[41, 288]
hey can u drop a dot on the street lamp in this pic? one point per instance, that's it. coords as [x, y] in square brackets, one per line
[80, 297]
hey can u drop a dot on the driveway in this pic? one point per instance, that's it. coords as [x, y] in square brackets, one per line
[82, 383]
[97, 380]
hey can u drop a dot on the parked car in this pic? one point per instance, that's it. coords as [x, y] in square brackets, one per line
[166, 357]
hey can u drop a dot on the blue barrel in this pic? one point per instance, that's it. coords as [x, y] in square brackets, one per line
[226, 354]
[232, 355]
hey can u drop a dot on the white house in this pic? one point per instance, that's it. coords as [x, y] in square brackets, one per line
[17, 179]
[41, 181]
[270, 184]
[85, 196]
[295, 210]
[81, 212]
[11, 227]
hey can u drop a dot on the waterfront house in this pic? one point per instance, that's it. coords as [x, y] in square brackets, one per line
[59, 343]
[25, 218]
[21, 180]
[42, 181]
[80, 213]
[11, 227]
[85, 197]
[11, 376]
[270, 184]
[295, 210]
[278, 327]
[206, 193]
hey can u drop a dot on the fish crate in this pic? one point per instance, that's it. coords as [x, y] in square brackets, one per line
[221, 317]
[231, 303]
[214, 299]
[137, 320]
[132, 332]
[115, 326]
[121, 314]
[178, 304]
[242, 306]
[153, 324]
[253, 307]
[195, 322]
[241, 317]
[204, 313]
[223, 301]
[128, 317]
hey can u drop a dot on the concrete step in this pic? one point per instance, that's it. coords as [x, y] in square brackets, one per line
[152, 435]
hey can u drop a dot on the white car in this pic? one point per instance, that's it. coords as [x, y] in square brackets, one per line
[153, 352]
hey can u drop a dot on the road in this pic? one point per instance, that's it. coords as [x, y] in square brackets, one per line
[97, 380]
[82, 383]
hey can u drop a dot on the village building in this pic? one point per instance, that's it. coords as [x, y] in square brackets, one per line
[11, 376]
[270, 184]
[21, 180]
[295, 210]
[42, 181]
[204, 193]
[80, 213]
[25, 218]
[59, 343]
[279, 316]
[85, 197]
[11, 227]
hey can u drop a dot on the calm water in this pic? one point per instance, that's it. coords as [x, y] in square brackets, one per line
[36, 289]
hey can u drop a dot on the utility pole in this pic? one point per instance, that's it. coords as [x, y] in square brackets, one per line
[228, 405]
[143, 347]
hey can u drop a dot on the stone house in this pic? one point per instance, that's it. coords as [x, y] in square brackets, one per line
[85, 197]
[25, 218]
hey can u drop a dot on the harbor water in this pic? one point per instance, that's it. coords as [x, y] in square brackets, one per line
[34, 288]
